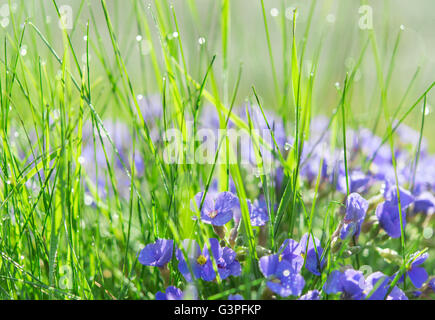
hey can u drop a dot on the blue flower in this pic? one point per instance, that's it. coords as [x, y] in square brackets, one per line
[377, 286]
[199, 261]
[283, 269]
[432, 284]
[294, 253]
[217, 211]
[406, 198]
[313, 253]
[225, 260]
[157, 254]
[311, 295]
[235, 297]
[358, 181]
[350, 282]
[356, 208]
[388, 212]
[417, 274]
[171, 293]
[389, 218]
[287, 280]
[424, 202]
[258, 213]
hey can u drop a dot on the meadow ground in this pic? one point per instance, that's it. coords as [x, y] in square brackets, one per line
[217, 149]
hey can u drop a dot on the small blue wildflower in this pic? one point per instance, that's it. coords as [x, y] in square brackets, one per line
[358, 181]
[350, 282]
[406, 198]
[157, 254]
[225, 260]
[287, 281]
[356, 208]
[171, 293]
[199, 261]
[235, 297]
[311, 295]
[417, 274]
[377, 286]
[217, 211]
[432, 284]
[313, 252]
[388, 212]
[389, 218]
[424, 202]
[258, 213]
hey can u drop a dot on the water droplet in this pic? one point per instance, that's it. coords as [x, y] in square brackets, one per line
[289, 13]
[146, 47]
[81, 160]
[274, 12]
[402, 27]
[4, 22]
[349, 63]
[428, 110]
[85, 38]
[175, 34]
[23, 50]
[16, 134]
[201, 40]
[287, 146]
[337, 85]
[139, 38]
[330, 18]
[88, 200]
[427, 233]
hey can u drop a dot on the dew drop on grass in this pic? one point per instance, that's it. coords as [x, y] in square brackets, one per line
[274, 12]
[146, 47]
[85, 38]
[175, 34]
[287, 146]
[23, 50]
[427, 232]
[402, 27]
[201, 40]
[139, 38]
[4, 22]
[289, 13]
[330, 18]
[88, 200]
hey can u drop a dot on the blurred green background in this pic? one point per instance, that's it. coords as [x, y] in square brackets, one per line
[335, 32]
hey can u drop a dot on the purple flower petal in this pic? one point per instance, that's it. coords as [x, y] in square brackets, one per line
[418, 276]
[268, 265]
[389, 219]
